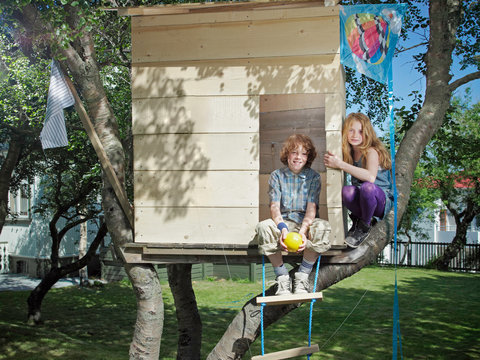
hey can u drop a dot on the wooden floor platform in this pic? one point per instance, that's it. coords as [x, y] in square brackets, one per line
[148, 253]
[287, 354]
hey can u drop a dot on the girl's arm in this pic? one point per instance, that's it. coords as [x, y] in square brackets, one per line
[365, 174]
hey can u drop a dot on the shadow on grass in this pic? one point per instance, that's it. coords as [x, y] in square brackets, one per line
[439, 319]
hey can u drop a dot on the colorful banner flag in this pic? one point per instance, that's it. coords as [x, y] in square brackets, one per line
[54, 132]
[368, 36]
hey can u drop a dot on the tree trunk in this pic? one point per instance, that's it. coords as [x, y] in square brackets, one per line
[37, 295]
[56, 239]
[82, 249]
[444, 20]
[188, 318]
[459, 241]
[405, 248]
[442, 263]
[35, 298]
[150, 312]
[15, 147]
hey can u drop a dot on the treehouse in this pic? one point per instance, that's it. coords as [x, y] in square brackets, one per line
[216, 89]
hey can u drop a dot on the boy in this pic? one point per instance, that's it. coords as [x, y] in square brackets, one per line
[294, 192]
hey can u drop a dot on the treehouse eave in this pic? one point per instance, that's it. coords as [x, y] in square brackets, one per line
[219, 6]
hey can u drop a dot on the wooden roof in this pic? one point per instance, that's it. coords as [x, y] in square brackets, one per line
[220, 6]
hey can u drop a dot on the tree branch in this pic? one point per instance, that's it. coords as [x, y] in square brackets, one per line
[71, 225]
[412, 47]
[67, 269]
[17, 131]
[464, 80]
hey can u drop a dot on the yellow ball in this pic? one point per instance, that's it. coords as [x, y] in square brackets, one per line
[293, 241]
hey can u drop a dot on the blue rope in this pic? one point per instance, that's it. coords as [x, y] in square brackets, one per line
[311, 306]
[263, 304]
[396, 335]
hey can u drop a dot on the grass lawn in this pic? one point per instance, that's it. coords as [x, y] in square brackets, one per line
[439, 318]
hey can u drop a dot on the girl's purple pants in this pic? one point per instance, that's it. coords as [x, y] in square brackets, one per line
[364, 202]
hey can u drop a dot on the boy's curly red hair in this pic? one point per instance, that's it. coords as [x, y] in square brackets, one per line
[292, 143]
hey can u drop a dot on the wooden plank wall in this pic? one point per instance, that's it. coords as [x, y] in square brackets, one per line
[197, 185]
[198, 82]
[236, 34]
[281, 116]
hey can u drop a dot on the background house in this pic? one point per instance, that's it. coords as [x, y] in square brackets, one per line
[437, 233]
[25, 242]
[443, 228]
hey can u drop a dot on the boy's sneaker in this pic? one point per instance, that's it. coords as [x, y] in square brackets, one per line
[360, 234]
[284, 285]
[302, 285]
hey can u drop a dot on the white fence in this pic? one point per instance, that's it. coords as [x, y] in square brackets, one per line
[3, 257]
[421, 254]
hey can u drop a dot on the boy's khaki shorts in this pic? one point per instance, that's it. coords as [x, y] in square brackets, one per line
[267, 236]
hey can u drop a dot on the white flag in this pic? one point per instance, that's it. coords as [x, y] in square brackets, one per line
[54, 132]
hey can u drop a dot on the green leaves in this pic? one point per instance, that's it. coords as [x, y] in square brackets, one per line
[68, 172]
[23, 86]
[451, 159]
[448, 172]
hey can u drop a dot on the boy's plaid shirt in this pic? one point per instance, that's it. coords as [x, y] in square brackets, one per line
[294, 191]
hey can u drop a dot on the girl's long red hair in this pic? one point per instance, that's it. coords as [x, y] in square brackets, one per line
[370, 140]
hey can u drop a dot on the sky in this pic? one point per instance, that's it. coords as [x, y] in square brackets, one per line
[406, 78]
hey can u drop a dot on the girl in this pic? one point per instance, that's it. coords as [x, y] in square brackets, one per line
[368, 162]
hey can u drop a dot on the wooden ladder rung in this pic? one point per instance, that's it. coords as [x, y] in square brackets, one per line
[289, 298]
[287, 354]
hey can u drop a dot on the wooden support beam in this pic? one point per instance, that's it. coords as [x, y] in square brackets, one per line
[102, 155]
[155, 251]
[289, 298]
[167, 253]
[287, 354]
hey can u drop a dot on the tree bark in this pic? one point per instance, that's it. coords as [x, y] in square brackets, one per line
[15, 147]
[82, 249]
[189, 323]
[442, 263]
[405, 248]
[150, 312]
[444, 19]
[35, 298]
[459, 241]
[37, 295]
